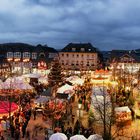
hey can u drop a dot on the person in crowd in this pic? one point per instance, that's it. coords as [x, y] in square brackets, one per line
[17, 134]
[34, 113]
[12, 128]
[24, 129]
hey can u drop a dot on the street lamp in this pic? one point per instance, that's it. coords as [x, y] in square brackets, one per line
[79, 114]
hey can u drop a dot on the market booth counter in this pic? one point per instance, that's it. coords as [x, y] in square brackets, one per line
[123, 115]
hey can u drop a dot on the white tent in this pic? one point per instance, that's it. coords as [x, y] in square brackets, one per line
[18, 79]
[24, 86]
[75, 80]
[58, 136]
[78, 137]
[122, 109]
[14, 85]
[65, 89]
[95, 137]
[78, 81]
[32, 75]
[43, 79]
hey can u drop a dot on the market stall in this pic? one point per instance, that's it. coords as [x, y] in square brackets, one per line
[75, 80]
[58, 136]
[101, 73]
[78, 137]
[123, 115]
[65, 91]
[40, 101]
[95, 137]
[6, 107]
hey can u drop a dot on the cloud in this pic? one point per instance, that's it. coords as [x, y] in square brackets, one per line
[107, 24]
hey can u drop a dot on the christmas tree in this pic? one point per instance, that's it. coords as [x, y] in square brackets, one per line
[55, 77]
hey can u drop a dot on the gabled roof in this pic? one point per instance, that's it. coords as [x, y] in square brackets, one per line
[88, 48]
[116, 55]
[45, 48]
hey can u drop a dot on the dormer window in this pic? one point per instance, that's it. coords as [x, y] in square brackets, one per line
[17, 55]
[34, 55]
[73, 49]
[26, 55]
[9, 54]
[82, 49]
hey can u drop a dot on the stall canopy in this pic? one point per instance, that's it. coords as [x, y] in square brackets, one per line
[65, 89]
[75, 80]
[14, 85]
[43, 80]
[101, 71]
[122, 109]
[78, 137]
[6, 106]
[95, 137]
[32, 75]
[58, 136]
[65, 92]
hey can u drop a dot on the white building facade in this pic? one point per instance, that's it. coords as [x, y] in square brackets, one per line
[79, 57]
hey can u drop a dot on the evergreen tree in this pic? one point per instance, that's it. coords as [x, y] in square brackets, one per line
[55, 76]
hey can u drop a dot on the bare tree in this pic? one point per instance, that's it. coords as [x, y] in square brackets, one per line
[104, 114]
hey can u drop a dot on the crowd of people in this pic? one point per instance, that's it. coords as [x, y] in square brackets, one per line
[18, 123]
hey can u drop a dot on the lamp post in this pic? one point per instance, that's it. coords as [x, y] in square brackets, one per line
[79, 114]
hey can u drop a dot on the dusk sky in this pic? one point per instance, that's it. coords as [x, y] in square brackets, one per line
[107, 24]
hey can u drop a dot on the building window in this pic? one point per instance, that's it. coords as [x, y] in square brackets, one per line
[87, 56]
[82, 55]
[77, 63]
[77, 55]
[72, 63]
[62, 62]
[82, 49]
[62, 54]
[26, 55]
[34, 55]
[67, 62]
[17, 55]
[87, 63]
[52, 55]
[67, 55]
[9, 54]
[73, 49]
[72, 55]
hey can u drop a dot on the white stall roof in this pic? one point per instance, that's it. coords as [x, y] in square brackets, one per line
[122, 109]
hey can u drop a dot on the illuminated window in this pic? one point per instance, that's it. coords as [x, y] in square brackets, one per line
[82, 49]
[26, 55]
[17, 55]
[9, 54]
[73, 49]
[34, 55]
